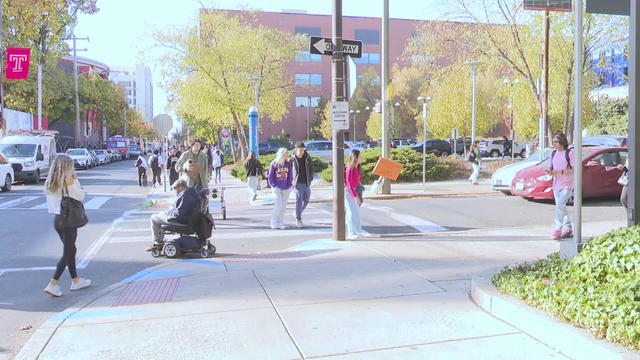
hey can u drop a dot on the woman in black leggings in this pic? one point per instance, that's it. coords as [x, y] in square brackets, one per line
[63, 179]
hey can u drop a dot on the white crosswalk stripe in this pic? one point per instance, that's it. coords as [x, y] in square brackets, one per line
[18, 201]
[96, 202]
[22, 202]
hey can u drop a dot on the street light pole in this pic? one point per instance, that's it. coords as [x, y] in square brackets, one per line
[338, 91]
[308, 124]
[424, 139]
[386, 142]
[474, 73]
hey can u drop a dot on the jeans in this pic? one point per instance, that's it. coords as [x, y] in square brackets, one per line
[68, 237]
[354, 228]
[562, 216]
[476, 171]
[252, 185]
[142, 176]
[277, 217]
[218, 176]
[623, 199]
[156, 176]
[157, 220]
[303, 193]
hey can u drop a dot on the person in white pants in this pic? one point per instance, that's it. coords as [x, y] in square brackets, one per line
[474, 159]
[280, 180]
[254, 171]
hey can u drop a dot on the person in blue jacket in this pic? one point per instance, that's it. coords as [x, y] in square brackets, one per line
[186, 202]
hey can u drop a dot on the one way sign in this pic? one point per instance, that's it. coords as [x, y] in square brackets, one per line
[324, 46]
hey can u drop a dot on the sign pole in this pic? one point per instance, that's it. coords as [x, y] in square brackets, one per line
[386, 141]
[338, 228]
[633, 217]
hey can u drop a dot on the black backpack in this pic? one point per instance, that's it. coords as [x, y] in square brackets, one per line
[154, 162]
[566, 156]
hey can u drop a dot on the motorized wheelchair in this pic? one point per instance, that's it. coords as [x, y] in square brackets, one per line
[194, 236]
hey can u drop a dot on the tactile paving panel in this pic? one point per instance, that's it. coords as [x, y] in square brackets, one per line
[149, 291]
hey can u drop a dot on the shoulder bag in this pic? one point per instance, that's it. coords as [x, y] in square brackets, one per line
[72, 211]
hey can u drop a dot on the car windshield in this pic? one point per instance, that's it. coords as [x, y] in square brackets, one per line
[539, 155]
[18, 150]
[585, 154]
[76, 152]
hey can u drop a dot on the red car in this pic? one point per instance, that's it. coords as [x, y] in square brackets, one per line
[599, 175]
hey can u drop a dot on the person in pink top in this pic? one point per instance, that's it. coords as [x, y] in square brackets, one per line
[352, 178]
[561, 169]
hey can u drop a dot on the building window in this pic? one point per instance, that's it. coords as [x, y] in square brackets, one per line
[309, 30]
[303, 101]
[368, 36]
[306, 56]
[308, 79]
[368, 58]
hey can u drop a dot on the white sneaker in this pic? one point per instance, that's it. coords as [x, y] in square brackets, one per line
[53, 290]
[283, 227]
[354, 237]
[274, 227]
[81, 284]
[299, 224]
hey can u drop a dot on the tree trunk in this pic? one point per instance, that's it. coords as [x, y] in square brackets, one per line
[242, 137]
[568, 119]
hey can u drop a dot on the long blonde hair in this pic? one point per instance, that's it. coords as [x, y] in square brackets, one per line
[280, 156]
[353, 159]
[60, 168]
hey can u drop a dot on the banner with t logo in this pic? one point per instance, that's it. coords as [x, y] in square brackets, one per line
[17, 63]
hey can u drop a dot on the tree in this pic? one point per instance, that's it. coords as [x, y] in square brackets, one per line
[318, 119]
[214, 67]
[102, 94]
[374, 126]
[612, 117]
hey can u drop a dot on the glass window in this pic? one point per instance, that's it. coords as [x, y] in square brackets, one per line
[308, 79]
[315, 79]
[309, 30]
[374, 58]
[368, 36]
[303, 101]
[18, 150]
[363, 60]
[306, 56]
[302, 79]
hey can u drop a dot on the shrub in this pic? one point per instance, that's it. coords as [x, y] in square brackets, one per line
[599, 289]
[239, 172]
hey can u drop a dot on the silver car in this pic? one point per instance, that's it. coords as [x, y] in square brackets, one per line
[324, 150]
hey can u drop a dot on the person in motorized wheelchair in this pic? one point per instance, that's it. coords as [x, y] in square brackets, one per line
[186, 203]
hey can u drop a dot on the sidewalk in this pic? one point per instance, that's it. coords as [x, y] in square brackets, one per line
[378, 299]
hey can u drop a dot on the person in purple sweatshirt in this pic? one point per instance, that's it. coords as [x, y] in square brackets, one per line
[280, 180]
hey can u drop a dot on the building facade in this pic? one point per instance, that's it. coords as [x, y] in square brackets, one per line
[138, 88]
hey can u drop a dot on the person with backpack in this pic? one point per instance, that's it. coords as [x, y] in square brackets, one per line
[218, 161]
[142, 165]
[156, 163]
[254, 171]
[562, 172]
[474, 159]
[172, 159]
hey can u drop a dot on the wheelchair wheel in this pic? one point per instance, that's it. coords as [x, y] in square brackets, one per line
[204, 253]
[155, 252]
[224, 213]
[212, 249]
[171, 250]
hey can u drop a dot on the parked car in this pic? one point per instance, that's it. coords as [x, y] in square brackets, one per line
[81, 158]
[103, 157]
[402, 143]
[268, 148]
[356, 145]
[501, 180]
[461, 145]
[606, 140]
[599, 178]
[94, 158]
[133, 151]
[434, 146]
[324, 150]
[495, 148]
[6, 174]
[30, 155]
[112, 155]
[118, 155]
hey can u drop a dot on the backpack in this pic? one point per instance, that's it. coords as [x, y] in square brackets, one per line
[154, 162]
[566, 155]
[471, 156]
[138, 162]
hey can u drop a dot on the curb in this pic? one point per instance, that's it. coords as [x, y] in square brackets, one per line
[38, 342]
[413, 196]
[557, 334]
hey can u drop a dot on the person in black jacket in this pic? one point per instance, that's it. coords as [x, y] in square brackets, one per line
[254, 172]
[302, 177]
[186, 202]
[172, 159]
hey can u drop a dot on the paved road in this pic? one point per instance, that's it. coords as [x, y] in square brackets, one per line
[111, 247]
[31, 247]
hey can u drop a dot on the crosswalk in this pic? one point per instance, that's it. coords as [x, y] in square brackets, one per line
[39, 202]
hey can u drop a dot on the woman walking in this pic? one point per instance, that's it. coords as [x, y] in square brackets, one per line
[562, 172]
[474, 159]
[624, 181]
[218, 162]
[353, 175]
[280, 179]
[63, 181]
[254, 171]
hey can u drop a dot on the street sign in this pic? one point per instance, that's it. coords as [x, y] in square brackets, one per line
[353, 77]
[17, 63]
[224, 133]
[610, 7]
[340, 115]
[324, 46]
[548, 5]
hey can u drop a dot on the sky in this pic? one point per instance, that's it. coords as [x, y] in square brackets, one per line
[120, 32]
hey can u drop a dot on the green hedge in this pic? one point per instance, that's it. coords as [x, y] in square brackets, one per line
[239, 172]
[437, 167]
[598, 290]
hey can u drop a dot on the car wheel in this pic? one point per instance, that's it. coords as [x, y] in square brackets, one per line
[506, 192]
[494, 154]
[7, 184]
[444, 153]
[523, 153]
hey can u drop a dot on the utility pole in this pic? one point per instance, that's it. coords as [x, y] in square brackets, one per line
[633, 216]
[2, 54]
[545, 64]
[386, 141]
[474, 74]
[308, 124]
[338, 81]
[79, 134]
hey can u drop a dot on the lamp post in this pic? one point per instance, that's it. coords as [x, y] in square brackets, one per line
[354, 113]
[393, 125]
[474, 74]
[424, 101]
[510, 83]
[308, 125]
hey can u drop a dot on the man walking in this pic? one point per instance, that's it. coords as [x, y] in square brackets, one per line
[302, 177]
[142, 166]
[195, 165]
[156, 162]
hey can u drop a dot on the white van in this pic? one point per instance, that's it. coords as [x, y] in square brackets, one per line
[30, 154]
